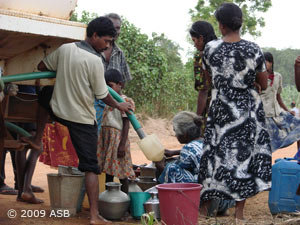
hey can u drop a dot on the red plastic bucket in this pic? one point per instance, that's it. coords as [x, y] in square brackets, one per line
[179, 203]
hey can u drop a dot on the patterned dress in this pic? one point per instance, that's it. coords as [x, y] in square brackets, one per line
[236, 162]
[186, 168]
[108, 143]
[284, 128]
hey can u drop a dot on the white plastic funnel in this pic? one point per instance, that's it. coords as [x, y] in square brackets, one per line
[152, 148]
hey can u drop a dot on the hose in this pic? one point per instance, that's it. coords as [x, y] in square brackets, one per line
[48, 74]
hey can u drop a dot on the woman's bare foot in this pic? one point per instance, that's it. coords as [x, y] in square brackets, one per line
[30, 140]
[30, 198]
[99, 220]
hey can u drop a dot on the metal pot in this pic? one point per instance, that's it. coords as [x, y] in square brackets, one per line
[133, 186]
[148, 171]
[152, 205]
[146, 182]
[113, 203]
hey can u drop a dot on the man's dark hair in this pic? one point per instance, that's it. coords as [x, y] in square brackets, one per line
[230, 15]
[205, 29]
[113, 75]
[102, 26]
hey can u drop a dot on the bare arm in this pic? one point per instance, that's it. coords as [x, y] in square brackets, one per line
[201, 102]
[282, 105]
[124, 106]
[297, 73]
[202, 95]
[262, 80]
[124, 136]
[170, 153]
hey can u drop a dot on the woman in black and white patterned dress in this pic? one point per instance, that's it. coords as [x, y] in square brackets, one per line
[236, 163]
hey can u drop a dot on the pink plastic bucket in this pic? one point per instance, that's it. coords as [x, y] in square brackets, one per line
[179, 203]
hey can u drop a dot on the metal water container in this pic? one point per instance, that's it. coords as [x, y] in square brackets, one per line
[152, 205]
[133, 186]
[113, 203]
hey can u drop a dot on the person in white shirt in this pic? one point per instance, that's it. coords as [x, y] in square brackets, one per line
[294, 110]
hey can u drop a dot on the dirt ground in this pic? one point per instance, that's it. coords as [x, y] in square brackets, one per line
[256, 210]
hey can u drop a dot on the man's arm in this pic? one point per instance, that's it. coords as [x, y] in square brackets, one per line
[124, 106]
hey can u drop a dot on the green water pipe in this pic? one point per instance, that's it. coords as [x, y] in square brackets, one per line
[28, 76]
[16, 129]
[47, 74]
[135, 123]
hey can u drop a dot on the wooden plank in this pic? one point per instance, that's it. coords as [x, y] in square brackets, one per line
[21, 108]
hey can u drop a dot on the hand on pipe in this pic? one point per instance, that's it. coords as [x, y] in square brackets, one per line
[125, 107]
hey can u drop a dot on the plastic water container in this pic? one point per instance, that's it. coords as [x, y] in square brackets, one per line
[152, 148]
[179, 203]
[137, 200]
[285, 180]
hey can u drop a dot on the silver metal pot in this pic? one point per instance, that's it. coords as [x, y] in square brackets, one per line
[152, 205]
[146, 182]
[133, 186]
[113, 203]
[148, 171]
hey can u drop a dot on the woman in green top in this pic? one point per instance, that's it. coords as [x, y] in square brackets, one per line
[202, 32]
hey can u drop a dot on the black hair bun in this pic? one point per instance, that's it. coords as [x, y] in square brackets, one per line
[236, 23]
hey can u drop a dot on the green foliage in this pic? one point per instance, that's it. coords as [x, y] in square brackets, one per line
[171, 51]
[86, 17]
[161, 84]
[205, 10]
[290, 94]
[149, 219]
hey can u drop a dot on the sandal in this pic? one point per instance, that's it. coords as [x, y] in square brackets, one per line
[6, 190]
